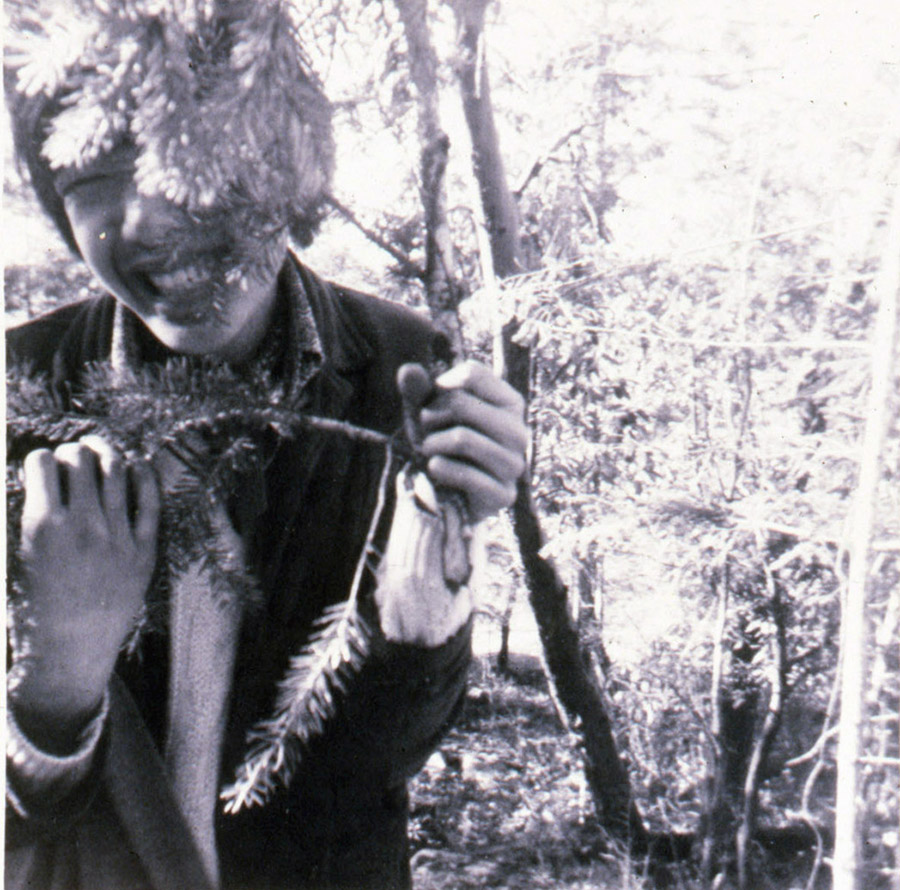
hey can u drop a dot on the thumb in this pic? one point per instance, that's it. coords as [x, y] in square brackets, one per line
[415, 388]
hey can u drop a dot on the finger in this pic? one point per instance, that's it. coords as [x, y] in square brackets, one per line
[42, 490]
[414, 384]
[481, 381]
[464, 443]
[484, 493]
[112, 473]
[146, 491]
[81, 466]
[460, 408]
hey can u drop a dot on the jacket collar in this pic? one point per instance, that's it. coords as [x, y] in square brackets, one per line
[344, 345]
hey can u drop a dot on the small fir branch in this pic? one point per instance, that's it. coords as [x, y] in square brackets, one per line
[211, 419]
[306, 701]
[306, 696]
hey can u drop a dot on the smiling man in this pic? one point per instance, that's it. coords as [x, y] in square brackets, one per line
[200, 284]
[183, 210]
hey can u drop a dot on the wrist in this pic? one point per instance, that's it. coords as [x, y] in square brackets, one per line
[52, 703]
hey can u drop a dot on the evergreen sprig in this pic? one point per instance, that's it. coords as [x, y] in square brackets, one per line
[217, 96]
[305, 702]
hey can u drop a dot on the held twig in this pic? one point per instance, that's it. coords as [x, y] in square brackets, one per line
[299, 421]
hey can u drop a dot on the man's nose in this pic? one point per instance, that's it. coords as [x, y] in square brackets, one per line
[150, 219]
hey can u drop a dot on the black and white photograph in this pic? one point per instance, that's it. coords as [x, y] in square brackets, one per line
[452, 444]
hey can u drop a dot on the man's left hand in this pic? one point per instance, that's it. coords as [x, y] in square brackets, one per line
[473, 432]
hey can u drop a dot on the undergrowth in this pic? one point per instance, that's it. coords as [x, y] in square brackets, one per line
[504, 804]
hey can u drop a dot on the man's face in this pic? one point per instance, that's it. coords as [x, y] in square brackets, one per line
[204, 285]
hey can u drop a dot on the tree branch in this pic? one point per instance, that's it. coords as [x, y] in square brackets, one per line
[407, 266]
[539, 162]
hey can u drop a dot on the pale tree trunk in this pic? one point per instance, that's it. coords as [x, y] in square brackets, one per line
[442, 289]
[501, 214]
[846, 868]
[569, 668]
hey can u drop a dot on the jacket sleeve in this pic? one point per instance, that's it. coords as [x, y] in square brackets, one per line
[119, 828]
[40, 785]
[401, 706]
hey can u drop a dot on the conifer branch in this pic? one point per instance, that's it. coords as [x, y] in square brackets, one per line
[306, 696]
[407, 266]
[147, 411]
[306, 701]
[211, 420]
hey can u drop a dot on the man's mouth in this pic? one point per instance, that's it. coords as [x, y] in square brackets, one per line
[180, 310]
[185, 294]
[186, 278]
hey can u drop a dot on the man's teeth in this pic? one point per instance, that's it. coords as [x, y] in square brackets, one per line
[179, 279]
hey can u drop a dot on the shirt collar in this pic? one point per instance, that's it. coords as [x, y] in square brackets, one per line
[345, 346]
[292, 348]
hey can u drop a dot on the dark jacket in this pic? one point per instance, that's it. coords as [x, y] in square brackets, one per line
[342, 821]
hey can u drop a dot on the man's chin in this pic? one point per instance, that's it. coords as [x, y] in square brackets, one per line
[188, 335]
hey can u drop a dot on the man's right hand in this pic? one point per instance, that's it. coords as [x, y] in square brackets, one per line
[87, 564]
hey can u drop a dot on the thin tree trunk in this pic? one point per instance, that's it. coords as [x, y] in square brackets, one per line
[765, 737]
[575, 687]
[569, 670]
[442, 290]
[846, 867]
[716, 817]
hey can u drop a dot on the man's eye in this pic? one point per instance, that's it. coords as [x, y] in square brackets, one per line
[118, 165]
[71, 182]
[68, 187]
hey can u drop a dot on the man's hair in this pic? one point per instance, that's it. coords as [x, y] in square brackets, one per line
[29, 116]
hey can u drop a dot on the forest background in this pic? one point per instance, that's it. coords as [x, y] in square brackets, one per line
[705, 202]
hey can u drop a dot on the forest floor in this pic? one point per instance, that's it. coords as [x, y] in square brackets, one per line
[503, 803]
